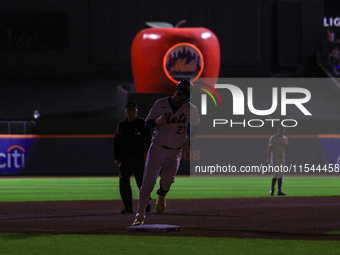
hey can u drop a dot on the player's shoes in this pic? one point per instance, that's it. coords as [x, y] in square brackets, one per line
[280, 193]
[148, 206]
[271, 192]
[160, 204]
[138, 222]
[125, 211]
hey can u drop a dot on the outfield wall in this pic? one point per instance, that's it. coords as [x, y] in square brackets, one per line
[93, 154]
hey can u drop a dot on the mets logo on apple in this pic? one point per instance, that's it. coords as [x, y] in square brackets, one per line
[183, 61]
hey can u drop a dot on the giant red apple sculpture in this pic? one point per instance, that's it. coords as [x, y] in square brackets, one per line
[162, 55]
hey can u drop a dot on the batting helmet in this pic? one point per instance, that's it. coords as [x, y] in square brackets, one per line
[185, 86]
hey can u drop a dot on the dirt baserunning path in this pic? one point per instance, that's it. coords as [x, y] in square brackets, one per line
[305, 218]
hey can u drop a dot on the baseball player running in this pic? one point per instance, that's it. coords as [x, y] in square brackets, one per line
[277, 147]
[170, 118]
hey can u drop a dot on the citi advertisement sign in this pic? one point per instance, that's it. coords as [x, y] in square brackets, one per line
[13, 154]
[14, 157]
[241, 102]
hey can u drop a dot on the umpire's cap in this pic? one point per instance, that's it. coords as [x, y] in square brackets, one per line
[185, 86]
[131, 105]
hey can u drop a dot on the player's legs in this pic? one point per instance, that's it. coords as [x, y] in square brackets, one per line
[169, 171]
[279, 184]
[153, 166]
[272, 190]
[170, 168]
[278, 175]
[274, 179]
[125, 172]
[138, 171]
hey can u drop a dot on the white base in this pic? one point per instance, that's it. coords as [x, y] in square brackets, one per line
[154, 228]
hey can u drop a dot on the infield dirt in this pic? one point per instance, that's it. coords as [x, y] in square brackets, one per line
[304, 218]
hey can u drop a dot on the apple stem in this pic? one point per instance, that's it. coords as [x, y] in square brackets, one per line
[181, 23]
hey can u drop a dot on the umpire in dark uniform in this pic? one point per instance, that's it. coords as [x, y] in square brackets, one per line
[131, 144]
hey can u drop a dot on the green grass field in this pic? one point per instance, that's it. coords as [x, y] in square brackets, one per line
[106, 188]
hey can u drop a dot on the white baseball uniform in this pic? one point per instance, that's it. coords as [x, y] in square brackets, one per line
[165, 151]
[279, 145]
